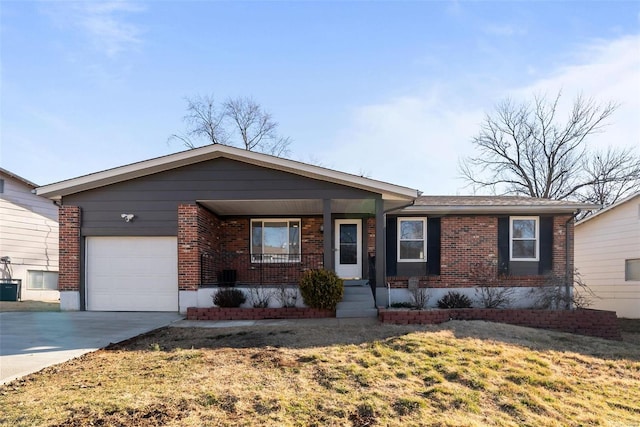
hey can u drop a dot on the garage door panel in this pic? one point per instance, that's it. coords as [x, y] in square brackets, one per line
[132, 274]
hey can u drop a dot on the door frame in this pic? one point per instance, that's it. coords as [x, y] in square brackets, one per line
[352, 271]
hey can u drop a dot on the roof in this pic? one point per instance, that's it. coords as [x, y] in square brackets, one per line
[18, 177]
[609, 208]
[494, 204]
[159, 164]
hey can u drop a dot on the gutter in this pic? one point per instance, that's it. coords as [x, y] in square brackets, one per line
[494, 209]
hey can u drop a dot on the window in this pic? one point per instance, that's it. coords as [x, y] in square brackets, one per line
[275, 240]
[43, 280]
[524, 241]
[632, 269]
[412, 239]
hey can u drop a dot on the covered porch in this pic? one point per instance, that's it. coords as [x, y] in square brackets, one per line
[271, 243]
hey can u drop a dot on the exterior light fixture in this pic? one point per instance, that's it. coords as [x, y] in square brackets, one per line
[127, 217]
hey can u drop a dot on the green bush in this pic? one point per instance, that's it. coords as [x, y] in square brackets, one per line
[454, 300]
[321, 289]
[229, 297]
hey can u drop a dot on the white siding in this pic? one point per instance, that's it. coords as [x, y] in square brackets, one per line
[602, 245]
[28, 234]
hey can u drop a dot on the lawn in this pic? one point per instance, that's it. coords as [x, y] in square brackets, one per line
[457, 374]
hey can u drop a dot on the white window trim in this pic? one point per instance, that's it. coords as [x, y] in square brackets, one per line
[424, 238]
[255, 260]
[537, 237]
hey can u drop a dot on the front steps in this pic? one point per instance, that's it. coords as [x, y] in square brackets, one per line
[357, 300]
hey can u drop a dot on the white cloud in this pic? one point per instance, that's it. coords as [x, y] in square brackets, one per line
[412, 141]
[416, 140]
[104, 24]
[605, 71]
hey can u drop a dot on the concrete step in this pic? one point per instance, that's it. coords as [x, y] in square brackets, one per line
[357, 301]
[360, 312]
[352, 283]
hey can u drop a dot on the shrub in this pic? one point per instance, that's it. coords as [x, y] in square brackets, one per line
[260, 297]
[286, 296]
[556, 295]
[454, 300]
[321, 289]
[403, 304]
[494, 297]
[229, 297]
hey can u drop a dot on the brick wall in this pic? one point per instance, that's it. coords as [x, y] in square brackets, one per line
[209, 230]
[69, 219]
[188, 247]
[597, 323]
[229, 240]
[469, 240]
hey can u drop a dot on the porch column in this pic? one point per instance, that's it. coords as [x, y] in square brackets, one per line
[380, 249]
[327, 226]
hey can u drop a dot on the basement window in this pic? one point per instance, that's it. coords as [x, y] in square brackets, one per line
[42, 280]
[275, 240]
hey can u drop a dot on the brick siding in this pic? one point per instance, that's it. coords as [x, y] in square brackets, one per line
[200, 231]
[188, 248]
[596, 323]
[69, 218]
[469, 240]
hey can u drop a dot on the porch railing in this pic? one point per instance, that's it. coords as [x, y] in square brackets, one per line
[230, 268]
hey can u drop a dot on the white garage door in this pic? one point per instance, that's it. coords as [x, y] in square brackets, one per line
[132, 274]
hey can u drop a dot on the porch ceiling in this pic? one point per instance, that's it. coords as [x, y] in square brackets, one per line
[288, 207]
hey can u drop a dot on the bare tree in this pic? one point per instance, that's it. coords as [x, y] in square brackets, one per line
[204, 120]
[237, 121]
[523, 149]
[614, 173]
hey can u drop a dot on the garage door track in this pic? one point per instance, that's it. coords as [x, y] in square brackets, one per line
[32, 341]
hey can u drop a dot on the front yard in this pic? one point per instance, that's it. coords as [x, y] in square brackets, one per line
[458, 373]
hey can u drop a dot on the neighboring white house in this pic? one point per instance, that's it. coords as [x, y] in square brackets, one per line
[29, 237]
[607, 255]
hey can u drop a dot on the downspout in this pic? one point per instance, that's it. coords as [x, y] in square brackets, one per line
[568, 282]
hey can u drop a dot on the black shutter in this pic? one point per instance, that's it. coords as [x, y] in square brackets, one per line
[392, 246]
[433, 245]
[546, 245]
[503, 245]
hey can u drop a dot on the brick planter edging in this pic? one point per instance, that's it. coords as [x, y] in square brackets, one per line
[220, 313]
[595, 323]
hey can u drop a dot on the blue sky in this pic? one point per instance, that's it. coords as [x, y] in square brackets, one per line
[391, 90]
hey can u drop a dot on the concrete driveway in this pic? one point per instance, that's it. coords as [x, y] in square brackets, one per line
[31, 341]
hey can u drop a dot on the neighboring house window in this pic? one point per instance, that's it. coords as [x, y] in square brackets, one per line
[412, 239]
[632, 269]
[275, 240]
[43, 280]
[524, 238]
[1, 186]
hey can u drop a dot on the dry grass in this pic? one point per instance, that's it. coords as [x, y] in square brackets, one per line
[29, 305]
[457, 374]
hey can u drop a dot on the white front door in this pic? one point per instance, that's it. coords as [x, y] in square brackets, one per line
[348, 248]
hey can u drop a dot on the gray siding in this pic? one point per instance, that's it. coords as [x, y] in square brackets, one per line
[154, 199]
